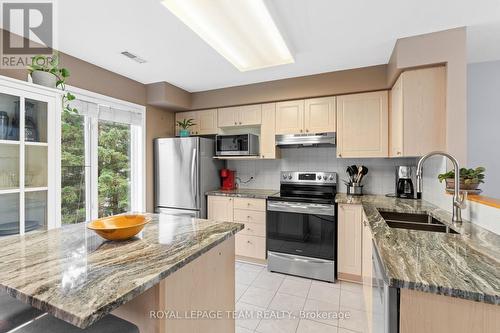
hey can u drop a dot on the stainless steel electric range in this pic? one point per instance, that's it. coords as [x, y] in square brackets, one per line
[302, 225]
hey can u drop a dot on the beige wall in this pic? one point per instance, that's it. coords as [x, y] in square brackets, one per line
[166, 95]
[333, 83]
[159, 124]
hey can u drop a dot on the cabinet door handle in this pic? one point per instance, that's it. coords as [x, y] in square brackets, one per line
[300, 131]
[240, 122]
[307, 130]
[340, 155]
[249, 242]
[399, 153]
[235, 123]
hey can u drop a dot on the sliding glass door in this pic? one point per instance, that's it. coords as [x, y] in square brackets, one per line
[102, 160]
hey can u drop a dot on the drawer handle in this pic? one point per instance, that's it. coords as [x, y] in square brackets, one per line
[249, 229]
[249, 242]
[248, 217]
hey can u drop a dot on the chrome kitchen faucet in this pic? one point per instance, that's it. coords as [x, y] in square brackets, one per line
[458, 202]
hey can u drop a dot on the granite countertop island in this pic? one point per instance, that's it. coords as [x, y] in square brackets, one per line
[244, 193]
[464, 265]
[74, 275]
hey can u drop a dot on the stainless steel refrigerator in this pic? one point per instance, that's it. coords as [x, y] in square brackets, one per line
[184, 170]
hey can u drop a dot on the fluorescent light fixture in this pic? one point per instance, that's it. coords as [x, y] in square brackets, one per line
[242, 31]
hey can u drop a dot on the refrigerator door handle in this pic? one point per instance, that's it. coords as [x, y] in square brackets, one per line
[194, 178]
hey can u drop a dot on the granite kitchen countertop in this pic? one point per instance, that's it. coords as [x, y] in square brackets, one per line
[244, 193]
[79, 277]
[464, 265]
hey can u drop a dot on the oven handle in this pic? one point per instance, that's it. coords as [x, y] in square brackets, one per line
[291, 257]
[301, 208]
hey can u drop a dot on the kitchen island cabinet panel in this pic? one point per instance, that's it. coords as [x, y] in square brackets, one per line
[349, 242]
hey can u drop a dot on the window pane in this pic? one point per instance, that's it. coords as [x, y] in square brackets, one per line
[73, 206]
[114, 168]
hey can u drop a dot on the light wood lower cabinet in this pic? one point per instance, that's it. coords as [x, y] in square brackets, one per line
[349, 242]
[367, 271]
[362, 125]
[251, 241]
[250, 204]
[207, 283]
[431, 313]
[220, 208]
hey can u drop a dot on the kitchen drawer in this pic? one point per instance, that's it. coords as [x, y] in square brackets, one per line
[250, 246]
[252, 216]
[254, 229]
[252, 204]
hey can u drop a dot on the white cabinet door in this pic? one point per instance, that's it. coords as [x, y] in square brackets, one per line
[349, 240]
[290, 117]
[362, 125]
[220, 208]
[320, 115]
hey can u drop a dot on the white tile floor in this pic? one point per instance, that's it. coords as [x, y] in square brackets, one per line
[258, 290]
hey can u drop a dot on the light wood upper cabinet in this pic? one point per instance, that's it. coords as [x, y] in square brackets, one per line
[349, 241]
[320, 115]
[268, 147]
[247, 115]
[220, 208]
[290, 117]
[418, 112]
[207, 121]
[362, 125]
[227, 117]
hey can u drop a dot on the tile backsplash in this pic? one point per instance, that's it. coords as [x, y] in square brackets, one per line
[266, 173]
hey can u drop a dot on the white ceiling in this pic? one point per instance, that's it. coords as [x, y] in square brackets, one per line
[323, 36]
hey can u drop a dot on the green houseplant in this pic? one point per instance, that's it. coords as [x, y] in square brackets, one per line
[469, 178]
[184, 125]
[45, 71]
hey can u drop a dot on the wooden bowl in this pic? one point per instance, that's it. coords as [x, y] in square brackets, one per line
[119, 227]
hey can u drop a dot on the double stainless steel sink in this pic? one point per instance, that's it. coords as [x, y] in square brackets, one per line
[422, 222]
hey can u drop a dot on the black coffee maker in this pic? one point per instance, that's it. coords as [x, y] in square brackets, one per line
[404, 181]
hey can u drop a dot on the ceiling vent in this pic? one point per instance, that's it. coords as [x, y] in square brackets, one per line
[133, 57]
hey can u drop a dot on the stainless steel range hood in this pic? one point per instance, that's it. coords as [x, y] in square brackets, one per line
[306, 140]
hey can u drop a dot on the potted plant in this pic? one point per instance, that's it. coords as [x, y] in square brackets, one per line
[45, 71]
[469, 178]
[185, 124]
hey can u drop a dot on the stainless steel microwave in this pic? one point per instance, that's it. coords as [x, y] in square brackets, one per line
[237, 145]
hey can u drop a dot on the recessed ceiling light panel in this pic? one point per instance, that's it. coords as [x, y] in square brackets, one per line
[242, 31]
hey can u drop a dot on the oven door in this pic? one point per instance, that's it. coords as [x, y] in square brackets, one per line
[302, 229]
[232, 144]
